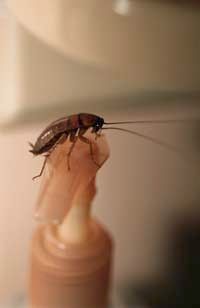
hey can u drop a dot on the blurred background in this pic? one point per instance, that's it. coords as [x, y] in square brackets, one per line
[123, 60]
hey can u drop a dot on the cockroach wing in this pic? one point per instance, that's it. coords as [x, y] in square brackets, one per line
[60, 187]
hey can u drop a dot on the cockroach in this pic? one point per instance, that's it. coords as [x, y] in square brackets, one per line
[74, 127]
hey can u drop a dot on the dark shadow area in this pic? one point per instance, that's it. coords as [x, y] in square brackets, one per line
[182, 290]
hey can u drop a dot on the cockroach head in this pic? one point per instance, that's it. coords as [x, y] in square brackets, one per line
[98, 124]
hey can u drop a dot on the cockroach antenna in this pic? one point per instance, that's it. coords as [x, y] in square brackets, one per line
[151, 139]
[150, 121]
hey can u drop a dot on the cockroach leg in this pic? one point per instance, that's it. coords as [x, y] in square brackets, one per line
[73, 139]
[43, 166]
[86, 140]
[62, 138]
[70, 152]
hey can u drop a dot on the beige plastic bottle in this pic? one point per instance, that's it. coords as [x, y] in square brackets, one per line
[71, 261]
